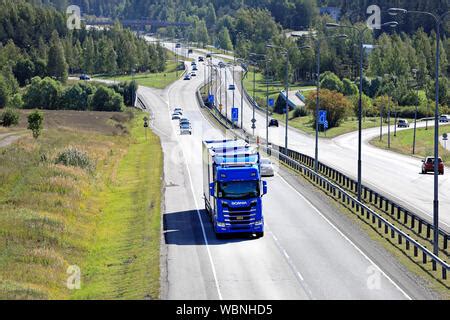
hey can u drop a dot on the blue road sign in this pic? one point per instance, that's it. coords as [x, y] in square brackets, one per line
[211, 98]
[325, 125]
[235, 115]
[271, 102]
[322, 116]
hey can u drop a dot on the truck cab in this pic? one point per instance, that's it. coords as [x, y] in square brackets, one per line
[233, 188]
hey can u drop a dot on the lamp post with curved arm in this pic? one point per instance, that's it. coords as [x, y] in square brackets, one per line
[285, 51]
[439, 20]
[318, 43]
[360, 32]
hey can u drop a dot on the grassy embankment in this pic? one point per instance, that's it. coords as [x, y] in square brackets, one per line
[424, 142]
[105, 219]
[154, 80]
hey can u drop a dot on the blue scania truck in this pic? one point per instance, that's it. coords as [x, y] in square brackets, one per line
[233, 188]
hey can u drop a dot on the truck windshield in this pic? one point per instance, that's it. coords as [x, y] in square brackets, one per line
[238, 190]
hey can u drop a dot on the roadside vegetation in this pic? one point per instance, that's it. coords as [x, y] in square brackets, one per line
[87, 194]
[424, 143]
[159, 80]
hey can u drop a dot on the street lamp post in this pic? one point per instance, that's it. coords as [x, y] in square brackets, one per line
[360, 32]
[318, 43]
[285, 52]
[439, 20]
[415, 113]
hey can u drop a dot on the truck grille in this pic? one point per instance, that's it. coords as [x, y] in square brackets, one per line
[240, 218]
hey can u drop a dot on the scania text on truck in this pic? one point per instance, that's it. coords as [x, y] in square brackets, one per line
[233, 188]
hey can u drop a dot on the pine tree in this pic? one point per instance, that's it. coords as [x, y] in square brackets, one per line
[57, 65]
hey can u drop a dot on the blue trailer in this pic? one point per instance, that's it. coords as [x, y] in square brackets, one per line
[233, 188]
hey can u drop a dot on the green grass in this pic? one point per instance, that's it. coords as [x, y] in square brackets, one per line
[123, 262]
[53, 216]
[305, 124]
[261, 87]
[424, 142]
[153, 80]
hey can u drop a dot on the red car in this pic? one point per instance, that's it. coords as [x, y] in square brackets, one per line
[428, 165]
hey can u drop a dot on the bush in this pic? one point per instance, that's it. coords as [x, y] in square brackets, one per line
[75, 98]
[335, 103]
[9, 118]
[330, 81]
[42, 94]
[4, 92]
[105, 99]
[36, 123]
[349, 88]
[300, 112]
[72, 157]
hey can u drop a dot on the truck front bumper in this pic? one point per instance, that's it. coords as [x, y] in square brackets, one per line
[227, 228]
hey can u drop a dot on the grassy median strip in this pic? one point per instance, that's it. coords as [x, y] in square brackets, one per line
[123, 262]
[103, 217]
[403, 143]
[158, 80]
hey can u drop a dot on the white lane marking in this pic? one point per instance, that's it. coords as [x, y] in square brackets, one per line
[291, 264]
[348, 240]
[216, 281]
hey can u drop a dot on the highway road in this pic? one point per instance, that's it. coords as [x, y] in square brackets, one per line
[310, 250]
[397, 176]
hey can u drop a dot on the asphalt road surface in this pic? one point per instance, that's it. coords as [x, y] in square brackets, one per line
[394, 175]
[310, 251]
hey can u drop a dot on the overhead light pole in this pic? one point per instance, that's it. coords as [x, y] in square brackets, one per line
[254, 55]
[318, 43]
[414, 71]
[439, 20]
[286, 53]
[360, 32]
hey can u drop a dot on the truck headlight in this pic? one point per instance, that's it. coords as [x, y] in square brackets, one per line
[221, 224]
[259, 223]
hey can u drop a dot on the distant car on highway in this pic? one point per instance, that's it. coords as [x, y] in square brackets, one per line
[193, 63]
[187, 76]
[201, 59]
[444, 118]
[178, 45]
[193, 74]
[85, 77]
[208, 55]
[403, 123]
[231, 87]
[185, 128]
[184, 121]
[176, 116]
[428, 165]
[274, 123]
[222, 65]
[190, 51]
[194, 68]
[178, 110]
[267, 168]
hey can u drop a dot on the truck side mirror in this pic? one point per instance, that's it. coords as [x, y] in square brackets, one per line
[264, 188]
[212, 190]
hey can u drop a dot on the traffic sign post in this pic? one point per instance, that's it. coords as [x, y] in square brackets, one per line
[145, 126]
[234, 115]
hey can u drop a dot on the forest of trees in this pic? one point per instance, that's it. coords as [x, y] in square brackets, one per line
[35, 42]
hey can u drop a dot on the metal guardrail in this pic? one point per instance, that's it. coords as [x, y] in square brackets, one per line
[364, 210]
[341, 188]
[410, 220]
